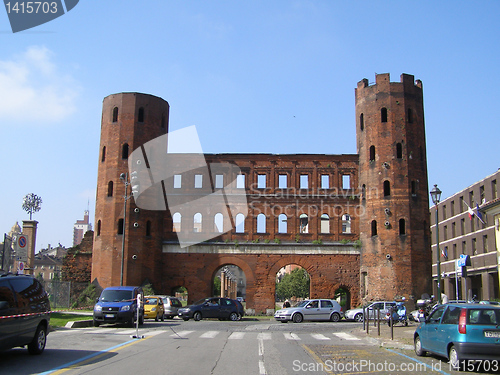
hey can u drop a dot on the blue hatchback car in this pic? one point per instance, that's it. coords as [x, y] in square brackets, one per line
[461, 332]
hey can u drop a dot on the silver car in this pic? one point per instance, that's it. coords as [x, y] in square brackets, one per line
[313, 309]
[170, 307]
[357, 314]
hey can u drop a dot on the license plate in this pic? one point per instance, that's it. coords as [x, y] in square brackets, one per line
[109, 316]
[495, 334]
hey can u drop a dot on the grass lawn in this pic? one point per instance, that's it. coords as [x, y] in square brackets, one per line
[59, 319]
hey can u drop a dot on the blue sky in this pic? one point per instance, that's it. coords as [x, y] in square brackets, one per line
[252, 76]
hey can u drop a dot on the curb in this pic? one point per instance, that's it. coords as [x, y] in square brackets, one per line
[79, 324]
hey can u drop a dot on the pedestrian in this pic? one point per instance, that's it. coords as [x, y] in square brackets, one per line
[444, 298]
[286, 304]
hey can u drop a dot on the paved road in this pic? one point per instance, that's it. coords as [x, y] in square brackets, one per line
[214, 347]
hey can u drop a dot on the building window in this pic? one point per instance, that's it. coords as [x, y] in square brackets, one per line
[494, 189]
[410, 116]
[474, 248]
[387, 188]
[372, 153]
[399, 151]
[148, 228]
[304, 224]
[261, 223]
[481, 194]
[374, 227]
[120, 228]
[453, 230]
[485, 244]
[103, 154]
[383, 114]
[125, 151]
[176, 219]
[115, 114]
[99, 228]
[282, 224]
[346, 181]
[402, 227]
[240, 181]
[219, 181]
[325, 181]
[445, 232]
[197, 222]
[462, 227]
[283, 181]
[240, 223]
[110, 188]
[219, 223]
[454, 251]
[452, 208]
[177, 181]
[325, 223]
[304, 181]
[361, 122]
[346, 223]
[261, 181]
[198, 181]
[140, 116]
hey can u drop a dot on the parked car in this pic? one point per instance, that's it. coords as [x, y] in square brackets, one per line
[460, 332]
[171, 306]
[213, 307]
[357, 314]
[19, 295]
[118, 304]
[153, 308]
[240, 299]
[241, 309]
[314, 309]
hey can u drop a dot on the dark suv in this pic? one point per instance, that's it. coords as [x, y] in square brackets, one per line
[24, 313]
[118, 304]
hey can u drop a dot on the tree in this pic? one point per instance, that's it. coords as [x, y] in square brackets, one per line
[217, 286]
[293, 284]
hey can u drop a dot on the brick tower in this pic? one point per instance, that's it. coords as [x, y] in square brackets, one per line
[128, 121]
[394, 227]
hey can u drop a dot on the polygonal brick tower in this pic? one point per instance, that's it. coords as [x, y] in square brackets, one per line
[394, 228]
[128, 121]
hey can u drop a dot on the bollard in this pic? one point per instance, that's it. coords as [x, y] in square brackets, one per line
[363, 318]
[391, 322]
[367, 318]
[378, 320]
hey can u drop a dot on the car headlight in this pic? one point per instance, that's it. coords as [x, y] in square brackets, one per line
[98, 308]
[125, 308]
[153, 309]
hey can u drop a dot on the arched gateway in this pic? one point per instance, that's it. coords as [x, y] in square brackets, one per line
[193, 213]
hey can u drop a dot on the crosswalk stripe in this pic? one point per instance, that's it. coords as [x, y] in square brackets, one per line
[291, 336]
[181, 333]
[236, 335]
[264, 336]
[319, 336]
[209, 334]
[346, 336]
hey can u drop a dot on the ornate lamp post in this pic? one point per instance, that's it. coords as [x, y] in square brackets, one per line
[436, 197]
[32, 203]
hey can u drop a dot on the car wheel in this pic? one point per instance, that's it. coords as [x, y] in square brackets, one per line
[185, 319]
[418, 347]
[358, 317]
[297, 318]
[37, 345]
[96, 323]
[233, 317]
[335, 317]
[455, 362]
[197, 316]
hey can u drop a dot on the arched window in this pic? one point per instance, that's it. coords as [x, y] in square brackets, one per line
[240, 223]
[387, 188]
[399, 151]
[125, 151]
[197, 222]
[374, 228]
[372, 153]
[176, 219]
[219, 223]
[98, 228]
[110, 188]
[361, 122]
[410, 116]
[383, 115]
[140, 115]
[103, 154]
[325, 223]
[402, 226]
[282, 224]
[148, 228]
[261, 223]
[346, 223]
[120, 229]
[304, 223]
[115, 114]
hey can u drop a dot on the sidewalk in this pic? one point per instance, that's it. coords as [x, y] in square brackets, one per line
[402, 335]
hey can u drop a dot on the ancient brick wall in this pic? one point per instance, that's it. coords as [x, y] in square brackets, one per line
[77, 264]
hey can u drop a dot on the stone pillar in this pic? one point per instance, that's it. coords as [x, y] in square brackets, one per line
[487, 287]
[222, 284]
[29, 229]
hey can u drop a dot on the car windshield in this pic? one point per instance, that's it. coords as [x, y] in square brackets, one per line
[201, 301]
[303, 303]
[151, 301]
[111, 295]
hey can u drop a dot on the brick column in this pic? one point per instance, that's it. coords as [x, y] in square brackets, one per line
[29, 229]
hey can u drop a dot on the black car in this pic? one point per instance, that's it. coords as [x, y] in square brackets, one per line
[213, 307]
[241, 309]
[24, 313]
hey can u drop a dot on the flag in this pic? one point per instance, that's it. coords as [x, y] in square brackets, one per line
[471, 213]
[444, 253]
[478, 214]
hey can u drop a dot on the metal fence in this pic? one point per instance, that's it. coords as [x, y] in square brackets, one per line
[63, 294]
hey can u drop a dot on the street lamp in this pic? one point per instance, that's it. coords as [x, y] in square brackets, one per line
[436, 197]
[126, 197]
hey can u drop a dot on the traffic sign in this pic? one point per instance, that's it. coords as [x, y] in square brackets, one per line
[21, 247]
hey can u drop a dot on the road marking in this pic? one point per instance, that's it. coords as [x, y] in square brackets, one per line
[264, 336]
[291, 336]
[346, 336]
[262, 368]
[319, 336]
[236, 336]
[209, 334]
[181, 333]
